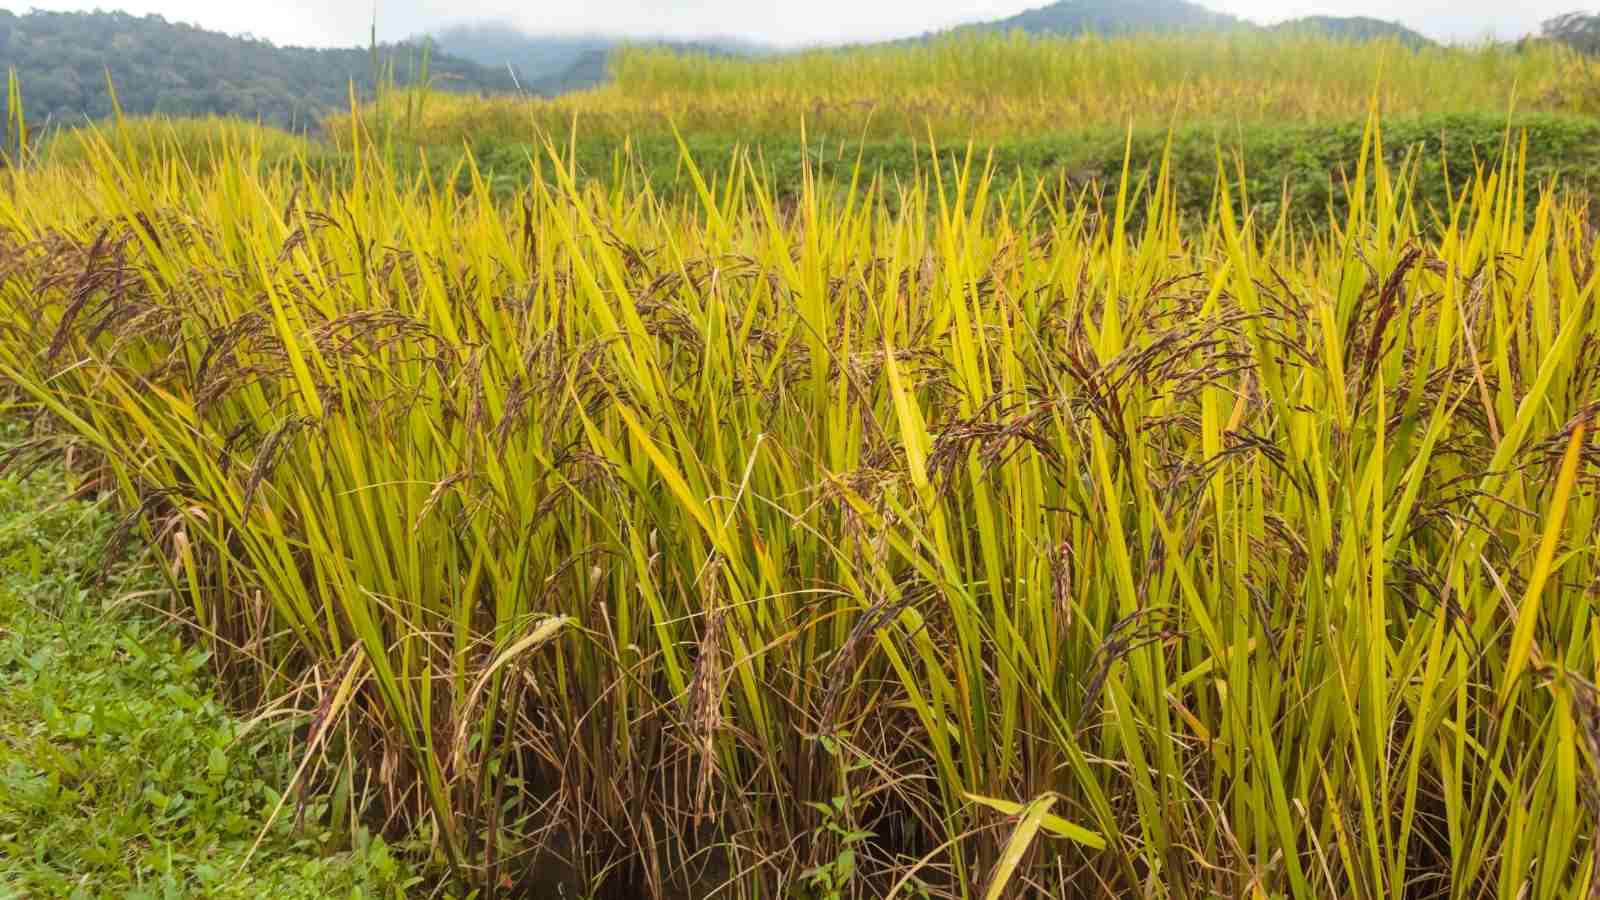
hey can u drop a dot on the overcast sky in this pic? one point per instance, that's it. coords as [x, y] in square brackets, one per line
[789, 22]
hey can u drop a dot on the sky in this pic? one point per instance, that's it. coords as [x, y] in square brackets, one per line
[785, 22]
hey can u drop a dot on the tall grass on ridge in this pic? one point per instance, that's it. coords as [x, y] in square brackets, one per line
[975, 546]
[995, 86]
[202, 143]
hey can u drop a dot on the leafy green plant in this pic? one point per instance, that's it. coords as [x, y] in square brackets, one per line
[121, 774]
[17, 144]
[832, 878]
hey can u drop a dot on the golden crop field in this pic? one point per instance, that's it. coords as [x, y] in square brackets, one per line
[991, 87]
[962, 546]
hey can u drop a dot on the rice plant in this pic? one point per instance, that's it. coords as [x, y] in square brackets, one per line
[964, 545]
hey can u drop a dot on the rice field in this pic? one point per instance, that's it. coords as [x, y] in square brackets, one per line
[949, 541]
[992, 87]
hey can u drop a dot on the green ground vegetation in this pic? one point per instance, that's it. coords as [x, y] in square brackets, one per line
[121, 772]
[1309, 164]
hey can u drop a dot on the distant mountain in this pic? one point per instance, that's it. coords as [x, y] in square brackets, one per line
[157, 66]
[1580, 31]
[533, 59]
[1117, 17]
[551, 65]
[586, 71]
[1172, 16]
[1355, 28]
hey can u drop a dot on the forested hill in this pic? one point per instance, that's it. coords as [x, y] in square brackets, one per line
[1117, 17]
[1355, 28]
[158, 66]
[1169, 16]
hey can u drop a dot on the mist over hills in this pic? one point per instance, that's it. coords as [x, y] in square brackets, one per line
[556, 64]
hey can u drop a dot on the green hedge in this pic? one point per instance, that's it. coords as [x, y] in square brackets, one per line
[1306, 160]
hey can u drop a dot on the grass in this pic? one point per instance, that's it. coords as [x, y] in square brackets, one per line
[121, 773]
[965, 542]
[202, 142]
